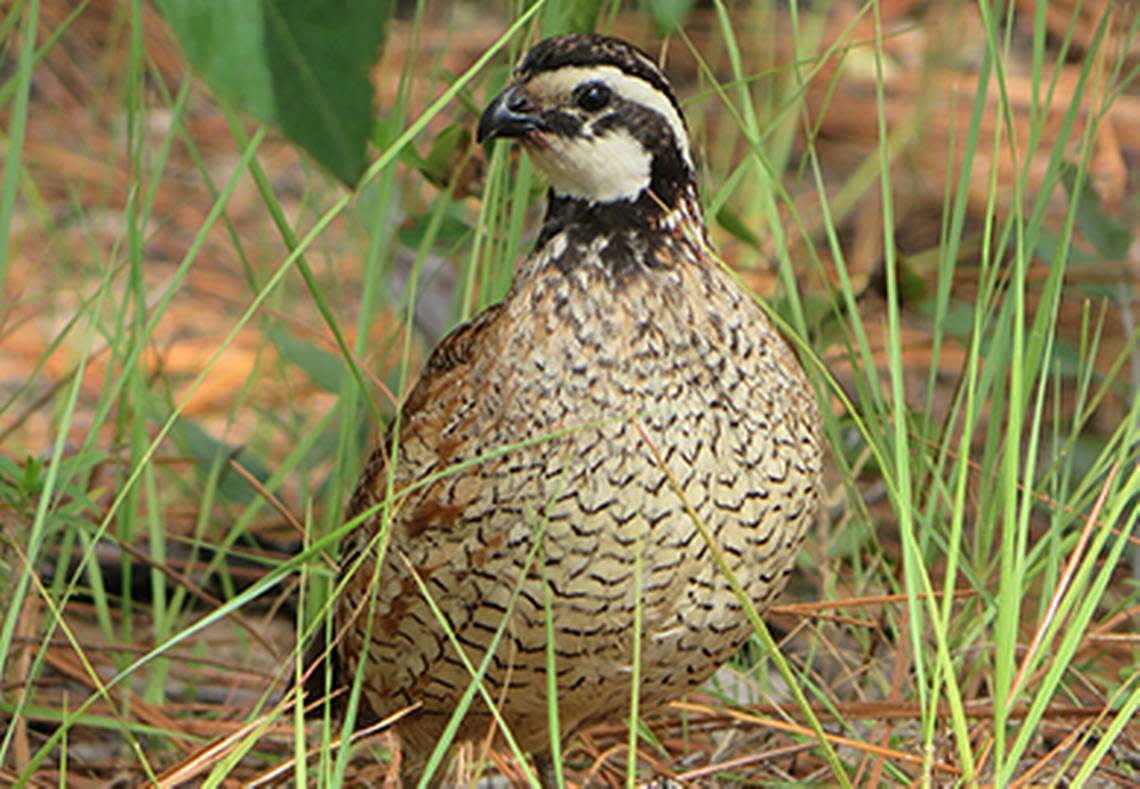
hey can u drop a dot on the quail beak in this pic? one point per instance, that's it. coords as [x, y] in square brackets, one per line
[511, 114]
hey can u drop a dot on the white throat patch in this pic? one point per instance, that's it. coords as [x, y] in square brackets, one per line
[604, 169]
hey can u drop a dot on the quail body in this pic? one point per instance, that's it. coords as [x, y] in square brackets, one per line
[626, 414]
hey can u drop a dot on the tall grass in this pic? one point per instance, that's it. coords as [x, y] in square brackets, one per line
[994, 567]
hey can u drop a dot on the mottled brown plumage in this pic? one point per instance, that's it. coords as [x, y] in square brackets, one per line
[625, 382]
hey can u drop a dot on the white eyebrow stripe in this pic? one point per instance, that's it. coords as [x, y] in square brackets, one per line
[562, 81]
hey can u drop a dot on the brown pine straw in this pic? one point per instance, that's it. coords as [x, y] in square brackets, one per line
[280, 771]
[902, 666]
[1082, 731]
[746, 761]
[205, 758]
[279, 506]
[1064, 582]
[863, 710]
[1066, 743]
[603, 757]
[809, 609]
[1055, 601]
[834, 739]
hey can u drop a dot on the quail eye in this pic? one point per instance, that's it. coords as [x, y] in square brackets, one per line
[593, 96]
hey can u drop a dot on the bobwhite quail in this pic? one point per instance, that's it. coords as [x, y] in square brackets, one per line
[624, 388]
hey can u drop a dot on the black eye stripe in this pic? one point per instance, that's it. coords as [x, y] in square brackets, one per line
[565, 124]
[607, 122]
[644, 123]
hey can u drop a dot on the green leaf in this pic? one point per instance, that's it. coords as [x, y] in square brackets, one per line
[732, 222]
[1066, 358]
[13, 483]
[957, 320]
[324, 368]
[581, 16]
[1049, 246]
[451, 231]
[300, 65]
[206, 451]
[669, 15]
[1108, 236]
[447, 152]
[912, 287]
